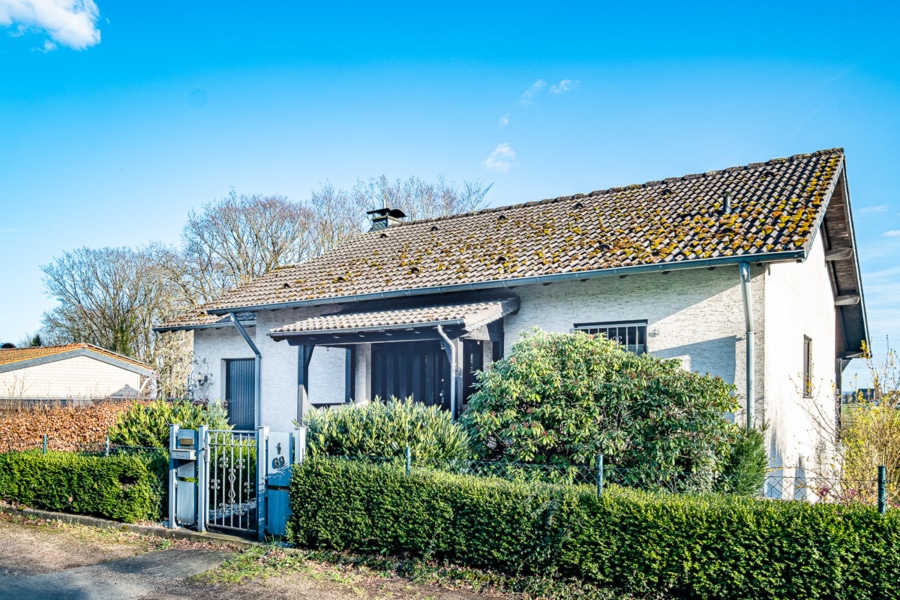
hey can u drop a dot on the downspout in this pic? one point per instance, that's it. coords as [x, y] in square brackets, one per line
[746, 293]
[452, 351]
[257, 388]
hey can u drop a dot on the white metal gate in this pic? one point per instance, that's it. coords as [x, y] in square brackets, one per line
[232, 481]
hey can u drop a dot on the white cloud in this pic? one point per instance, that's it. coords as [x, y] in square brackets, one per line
[536, 87]
[504, 120]
[564, 86]
[71, 23]
[47, 47]
[874, 209]
[892, 233]
[501, 159]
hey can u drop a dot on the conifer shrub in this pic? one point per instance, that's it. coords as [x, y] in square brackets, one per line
[384, 429]
[147, 425]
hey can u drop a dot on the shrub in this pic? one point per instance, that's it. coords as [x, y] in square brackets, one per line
[695, 546]
[745, 468]
[148, 424]
[563, 398]
[122, 488]
[385, 429]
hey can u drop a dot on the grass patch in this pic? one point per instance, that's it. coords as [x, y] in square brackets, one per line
[262, 562]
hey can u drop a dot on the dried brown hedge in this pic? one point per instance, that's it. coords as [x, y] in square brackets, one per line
[67, 428]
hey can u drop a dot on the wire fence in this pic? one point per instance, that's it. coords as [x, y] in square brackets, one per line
[779, 484]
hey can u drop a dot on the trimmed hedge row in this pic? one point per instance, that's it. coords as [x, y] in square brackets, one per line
[122, 488]
[708, 546]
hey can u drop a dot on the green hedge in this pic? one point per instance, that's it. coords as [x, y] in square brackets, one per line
[701, 546]
[122, 488]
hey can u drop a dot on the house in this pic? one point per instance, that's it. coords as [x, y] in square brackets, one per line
[72, 372]
[749, 273]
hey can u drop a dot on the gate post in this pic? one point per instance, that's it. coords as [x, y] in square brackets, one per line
[173, 476]
[299, 445]
[202, 477]
[262, 435]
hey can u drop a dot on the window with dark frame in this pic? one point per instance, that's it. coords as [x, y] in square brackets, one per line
[807, 367]
[630, 334]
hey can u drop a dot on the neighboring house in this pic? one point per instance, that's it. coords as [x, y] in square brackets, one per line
[749, 273]
[70, 372]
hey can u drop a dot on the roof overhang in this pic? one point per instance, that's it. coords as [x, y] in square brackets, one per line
[394, 325]
[706, 263]
[247, 319]
[842, 260]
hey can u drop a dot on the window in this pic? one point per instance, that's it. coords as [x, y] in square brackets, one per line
[631, 334]
[807, 367]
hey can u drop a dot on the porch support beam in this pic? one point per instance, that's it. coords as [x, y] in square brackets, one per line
[304, 355]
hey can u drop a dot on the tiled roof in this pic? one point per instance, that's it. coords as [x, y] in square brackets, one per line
[776, 207]
[468, 315]
[14, 355]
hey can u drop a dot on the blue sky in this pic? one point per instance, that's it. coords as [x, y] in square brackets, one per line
[117, 118]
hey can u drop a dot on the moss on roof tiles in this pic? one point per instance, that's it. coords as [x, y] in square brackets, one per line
[776, 206]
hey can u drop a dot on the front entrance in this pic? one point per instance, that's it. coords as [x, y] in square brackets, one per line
[417, 369]
[422, 370]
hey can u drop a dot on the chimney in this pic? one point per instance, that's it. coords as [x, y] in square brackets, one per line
[382, 218]
[727, 208]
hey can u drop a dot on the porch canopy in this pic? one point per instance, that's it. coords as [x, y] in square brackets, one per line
[453, 328]
[396, 325]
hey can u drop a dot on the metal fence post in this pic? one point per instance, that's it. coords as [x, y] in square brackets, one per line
[599, 475]
[45, 443]
[107, 446]
[882, 492]
[408, 459]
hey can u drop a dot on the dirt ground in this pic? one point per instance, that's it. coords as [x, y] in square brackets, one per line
[37, 548]
[30, 547]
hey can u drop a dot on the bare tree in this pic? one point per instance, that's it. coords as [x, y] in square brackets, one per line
[236, 239]
[112, 297]
[340, 215]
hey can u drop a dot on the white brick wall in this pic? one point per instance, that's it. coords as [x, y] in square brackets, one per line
[694, 315]
[77, 377]
[212, 347]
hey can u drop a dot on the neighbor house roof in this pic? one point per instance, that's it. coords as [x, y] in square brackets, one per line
[19, 358]
[681, 222]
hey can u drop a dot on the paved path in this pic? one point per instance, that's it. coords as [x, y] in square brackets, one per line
[126, 579]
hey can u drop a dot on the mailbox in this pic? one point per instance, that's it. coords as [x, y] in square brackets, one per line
[187, 499]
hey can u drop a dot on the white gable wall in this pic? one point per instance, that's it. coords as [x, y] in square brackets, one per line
[799, 302]
[70, 378]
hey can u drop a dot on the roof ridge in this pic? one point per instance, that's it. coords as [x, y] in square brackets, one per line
[633, 186]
